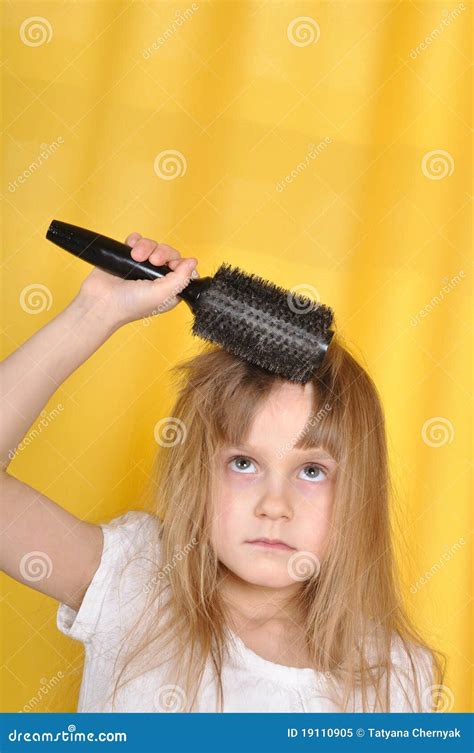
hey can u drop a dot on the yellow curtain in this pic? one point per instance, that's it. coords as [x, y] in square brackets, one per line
[321, 145]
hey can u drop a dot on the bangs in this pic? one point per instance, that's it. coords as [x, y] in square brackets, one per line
[227, 392]
[236, 402]
[322, 428]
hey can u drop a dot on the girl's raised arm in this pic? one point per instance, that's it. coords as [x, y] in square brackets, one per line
[33, 526]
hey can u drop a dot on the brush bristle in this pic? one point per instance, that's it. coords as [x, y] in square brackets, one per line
[264, 324]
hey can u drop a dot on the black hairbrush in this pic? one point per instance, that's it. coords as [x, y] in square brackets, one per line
[245, 314]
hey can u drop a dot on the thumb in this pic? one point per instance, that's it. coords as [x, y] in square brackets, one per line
[174, 282]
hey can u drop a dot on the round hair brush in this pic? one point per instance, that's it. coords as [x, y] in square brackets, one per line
[248, 316]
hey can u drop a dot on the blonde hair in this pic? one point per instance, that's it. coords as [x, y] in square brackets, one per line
[352, 607]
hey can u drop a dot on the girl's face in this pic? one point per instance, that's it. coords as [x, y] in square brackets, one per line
[267, 488]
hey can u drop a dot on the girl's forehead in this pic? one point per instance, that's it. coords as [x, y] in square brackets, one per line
[288, 417]
[262, 449]
[291, 392]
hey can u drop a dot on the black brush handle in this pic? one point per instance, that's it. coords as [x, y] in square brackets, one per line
[114, 257]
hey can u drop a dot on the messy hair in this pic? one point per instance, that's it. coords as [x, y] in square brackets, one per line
[353, 608]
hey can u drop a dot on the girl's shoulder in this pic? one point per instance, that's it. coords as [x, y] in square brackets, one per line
[412, 666]
[132, 546]
[401, 649]
[131, 550]
[133, 531]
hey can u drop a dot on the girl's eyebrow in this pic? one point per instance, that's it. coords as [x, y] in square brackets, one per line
[309, 450]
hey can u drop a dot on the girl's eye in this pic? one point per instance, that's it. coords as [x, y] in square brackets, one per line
[240, 459]
[316, 473]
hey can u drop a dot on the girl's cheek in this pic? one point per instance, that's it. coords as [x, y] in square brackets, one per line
[239, 483]
[240, 480]
[312, 489]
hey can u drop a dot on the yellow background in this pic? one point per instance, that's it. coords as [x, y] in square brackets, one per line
[373, 222]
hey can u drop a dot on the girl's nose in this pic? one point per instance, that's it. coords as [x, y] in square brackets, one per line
[274, 504]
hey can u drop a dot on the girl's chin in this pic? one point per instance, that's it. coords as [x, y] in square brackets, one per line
[276, 578]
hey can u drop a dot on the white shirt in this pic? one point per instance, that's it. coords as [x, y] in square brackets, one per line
[251, 683]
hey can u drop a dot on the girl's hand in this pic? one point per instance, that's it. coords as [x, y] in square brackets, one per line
[123, 301]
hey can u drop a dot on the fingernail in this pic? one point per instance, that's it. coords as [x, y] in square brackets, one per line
[194, 273]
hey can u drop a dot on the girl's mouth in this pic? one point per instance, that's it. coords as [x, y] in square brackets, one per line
[271, 544]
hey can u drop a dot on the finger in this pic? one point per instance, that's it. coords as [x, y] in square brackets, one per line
[174, 282]
[174, 262]
[132, 239]
[143, 248]
[163, 254]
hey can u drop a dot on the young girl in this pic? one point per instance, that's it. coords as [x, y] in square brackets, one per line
[184, 606]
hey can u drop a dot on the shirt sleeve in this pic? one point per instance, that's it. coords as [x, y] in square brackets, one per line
[116, 591]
